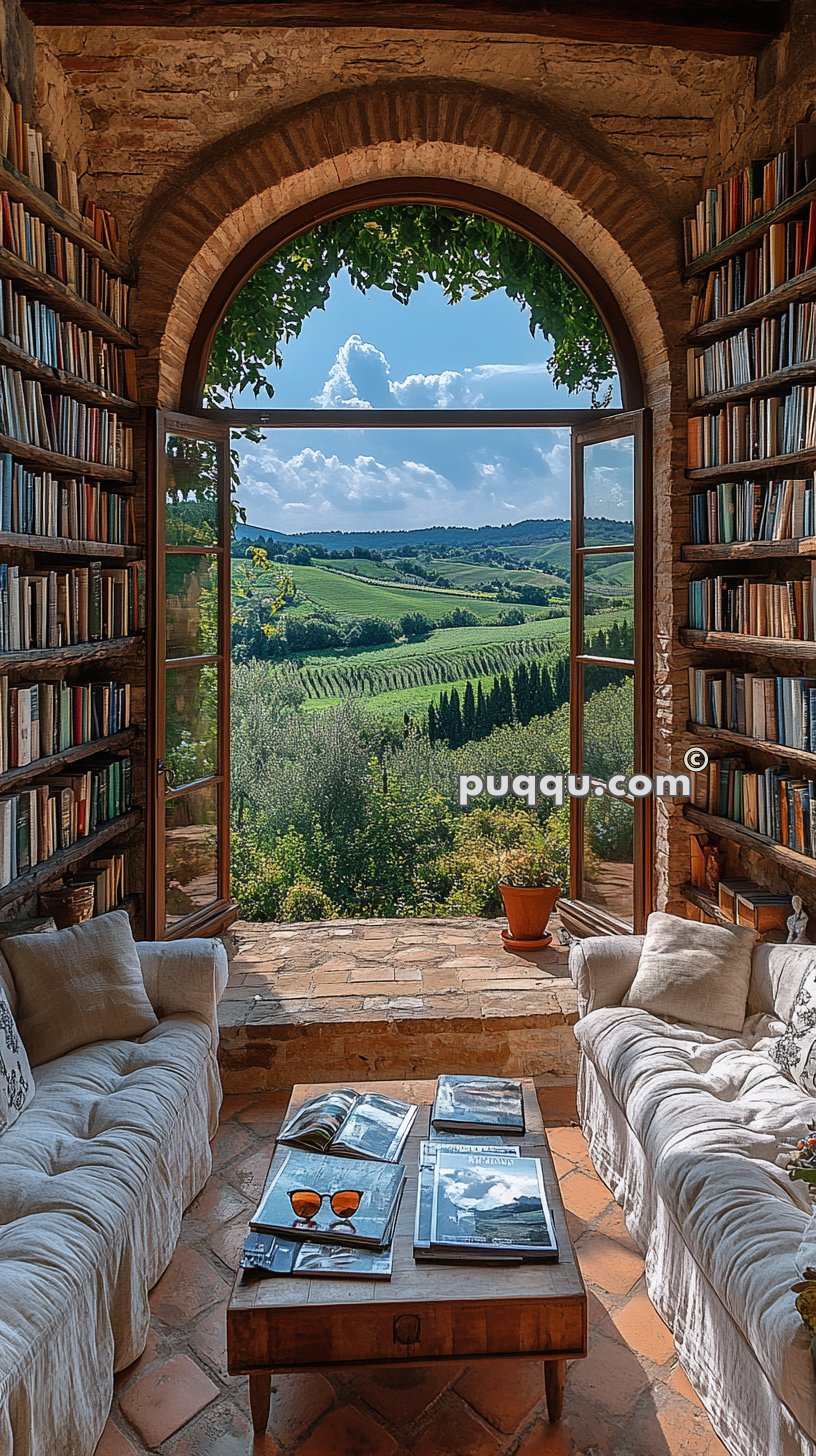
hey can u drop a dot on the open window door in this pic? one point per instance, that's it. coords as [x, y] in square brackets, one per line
[610, 674]
[190, 630]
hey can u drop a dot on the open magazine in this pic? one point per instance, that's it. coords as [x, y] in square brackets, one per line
[351, 1124]
[274, 1254]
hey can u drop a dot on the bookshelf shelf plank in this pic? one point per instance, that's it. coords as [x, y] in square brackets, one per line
[66, 546]
[113, 649]
[769, 466]
[65, 859]
[46, 207]
[63, 298]
[64, 464]
[789, 859]
[60, 381]
[56, 761]
[773, 302]
[758, 745]
[768, 384]
[742, 643]
[752, 232]
[748, 550]
[693, 895]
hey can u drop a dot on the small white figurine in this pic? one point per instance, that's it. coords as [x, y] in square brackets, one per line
[797, 922]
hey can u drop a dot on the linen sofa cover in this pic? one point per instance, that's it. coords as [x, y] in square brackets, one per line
[685, 1126]
[94, 1179]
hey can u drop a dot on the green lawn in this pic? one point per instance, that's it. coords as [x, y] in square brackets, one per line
[350, 598]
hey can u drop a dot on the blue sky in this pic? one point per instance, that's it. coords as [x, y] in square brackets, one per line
[366, 351]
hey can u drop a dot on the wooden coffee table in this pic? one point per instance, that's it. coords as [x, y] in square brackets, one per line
[425, 1312]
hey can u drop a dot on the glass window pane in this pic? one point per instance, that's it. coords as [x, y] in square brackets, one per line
[192, 486]
[191, 853]
[609, 726]
[191, 588]
[609, 605]
[191, 723]
[609, 492]
[608, 856]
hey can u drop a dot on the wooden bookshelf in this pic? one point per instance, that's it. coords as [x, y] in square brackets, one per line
[59, 381]
[705, 902]
[768, 384]
[67, 546]
[64, 464]
[113, 649]
[63, 298]
[752, 233]
[72, 225]
[790, 859]
[771, 465]
[742, 741]
[55, 762]
[741, 642]
[67, 859]
[775, 301]
[749, 550]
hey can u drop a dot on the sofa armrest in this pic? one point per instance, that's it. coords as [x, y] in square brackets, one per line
[603, 968]
[185, 976]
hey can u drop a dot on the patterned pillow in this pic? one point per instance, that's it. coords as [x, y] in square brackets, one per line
[795, 1051]
[16, 1081]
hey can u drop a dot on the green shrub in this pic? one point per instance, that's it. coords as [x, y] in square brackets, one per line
[306, 901]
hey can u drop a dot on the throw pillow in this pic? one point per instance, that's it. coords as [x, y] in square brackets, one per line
[16, 1081]
[795, 1050]
[693, 972]
[77, 986]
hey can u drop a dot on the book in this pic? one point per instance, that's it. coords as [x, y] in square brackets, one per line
[380, 1186]
[491, 1202]
[272, 1254]
[428, 1152]
[351, 1124]
[479, 1104]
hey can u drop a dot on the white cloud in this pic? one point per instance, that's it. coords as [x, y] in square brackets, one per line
[360, 378]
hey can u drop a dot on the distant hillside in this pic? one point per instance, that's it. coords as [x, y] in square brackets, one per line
[523, 533]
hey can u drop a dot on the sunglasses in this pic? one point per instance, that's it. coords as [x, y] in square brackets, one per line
[306, 1202]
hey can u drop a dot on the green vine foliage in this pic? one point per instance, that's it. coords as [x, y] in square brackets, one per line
[395, 248]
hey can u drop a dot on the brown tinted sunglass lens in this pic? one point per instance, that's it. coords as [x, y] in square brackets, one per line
[345, 1203]
[305, 1202]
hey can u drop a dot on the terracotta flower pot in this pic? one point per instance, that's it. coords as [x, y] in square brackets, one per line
[528, 911]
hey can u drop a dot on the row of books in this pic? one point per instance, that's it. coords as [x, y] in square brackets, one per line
[758, 608]
[44, 609]
[751, 510]
[750, 193]
[770, 801]
[770, 708]
[50, 252]
[772, 344]
[37, 503]
[37, 822]
[786, 251]
[107, 876]
[757, 429]
[44, 718]
[61, 343]
[24, 147]
[28, 412]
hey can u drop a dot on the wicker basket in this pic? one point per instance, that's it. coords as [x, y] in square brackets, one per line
[69, 904]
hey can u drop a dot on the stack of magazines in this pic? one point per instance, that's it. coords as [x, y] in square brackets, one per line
[334, 1189]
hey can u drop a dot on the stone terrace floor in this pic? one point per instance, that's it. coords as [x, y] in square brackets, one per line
[628, 1398]
[327, 1000]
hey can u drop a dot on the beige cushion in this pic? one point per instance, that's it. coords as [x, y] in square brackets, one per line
[18, 927]
[77, 986]
[16, 1081]
[693, 972]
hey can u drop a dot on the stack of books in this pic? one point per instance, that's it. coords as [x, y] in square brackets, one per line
[64, 344]
[49, 251]
[478, 1199]
[334, 1189]
[760, 187]
[764, 348]
[58, 423]
[43, 609]
[40, 719]
[37, 503]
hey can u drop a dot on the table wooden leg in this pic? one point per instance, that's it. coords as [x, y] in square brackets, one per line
[260, 1395]
[554, 1373]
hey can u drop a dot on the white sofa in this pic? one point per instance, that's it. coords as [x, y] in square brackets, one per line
[686, 1126]
[94, 1178]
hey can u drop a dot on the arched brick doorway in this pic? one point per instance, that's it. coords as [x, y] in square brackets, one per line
[469, 147]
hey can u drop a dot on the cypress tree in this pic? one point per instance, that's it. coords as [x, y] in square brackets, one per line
[443, 719]
[561, 681]
[455, 731]
[520, 693]
[482, 726]
[431, 723]
[546, 696]
[468, 714]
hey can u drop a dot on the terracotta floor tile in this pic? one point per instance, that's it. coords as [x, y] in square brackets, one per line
[610, 1377]
[349, 1432]
[402, 1395]
[679, 1382]
[249, 1174]
[643, 1330]
[148, 1355]
[684, 1430]
[222, 1429]
[228, 1241]
[612, 1223]
[562, 1166]
[557, 1104]
[230, 1141]
[189, 1286]
[547, 1440]
[455, 1431]
[208, 1339]
[217, 1204]
[584, 1196]
[606, 1262]
[504, 1392]
[569, 1142]
[113, 1443]
[163, 1400]
[298, 1402]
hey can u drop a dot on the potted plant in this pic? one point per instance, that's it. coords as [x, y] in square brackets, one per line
[529, 890]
